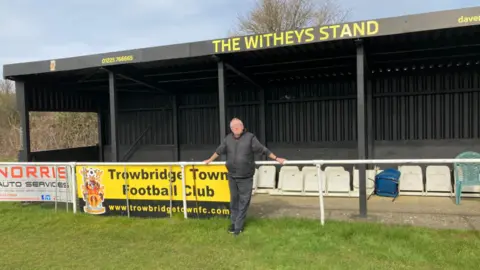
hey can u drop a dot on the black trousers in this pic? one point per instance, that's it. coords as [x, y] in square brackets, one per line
[240, 196]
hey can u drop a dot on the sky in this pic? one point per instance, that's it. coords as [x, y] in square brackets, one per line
[32, 30]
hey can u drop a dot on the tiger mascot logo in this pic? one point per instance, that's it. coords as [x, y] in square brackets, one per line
[93, 191]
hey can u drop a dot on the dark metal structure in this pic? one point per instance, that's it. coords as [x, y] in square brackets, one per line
[403, 87]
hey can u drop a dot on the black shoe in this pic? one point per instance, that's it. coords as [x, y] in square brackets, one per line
[231, 229]
[236, 233]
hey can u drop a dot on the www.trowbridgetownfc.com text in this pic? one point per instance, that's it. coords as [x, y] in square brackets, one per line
[167, 209]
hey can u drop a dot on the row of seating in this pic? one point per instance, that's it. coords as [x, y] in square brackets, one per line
[337, 181]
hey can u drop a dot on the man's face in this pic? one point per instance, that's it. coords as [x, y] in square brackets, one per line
[236, 127]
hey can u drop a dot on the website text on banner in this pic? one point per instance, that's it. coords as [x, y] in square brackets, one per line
[35, 183]
[152, 190]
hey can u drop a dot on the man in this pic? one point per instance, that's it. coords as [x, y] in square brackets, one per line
[240, 147]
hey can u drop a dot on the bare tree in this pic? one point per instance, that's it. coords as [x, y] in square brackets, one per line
[8, 120]
[8, 110]
[270, 16]
[6, 86]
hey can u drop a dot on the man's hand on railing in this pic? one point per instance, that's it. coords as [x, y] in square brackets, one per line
[207, 161]
[280, 160]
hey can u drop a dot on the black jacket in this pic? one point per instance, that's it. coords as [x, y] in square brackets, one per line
[240, 154]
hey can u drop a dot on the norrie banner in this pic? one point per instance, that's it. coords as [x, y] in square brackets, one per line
[35, 183]
[152, 190]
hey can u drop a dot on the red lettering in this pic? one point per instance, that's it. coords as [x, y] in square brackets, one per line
[3, 171]
[44, 172]
[19, 174]
[32, 172]
[62, 174]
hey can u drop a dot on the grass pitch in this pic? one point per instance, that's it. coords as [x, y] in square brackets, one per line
[35, 237]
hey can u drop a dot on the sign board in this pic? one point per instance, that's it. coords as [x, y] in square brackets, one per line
[153, 191]
[34, 183]
[297, 36]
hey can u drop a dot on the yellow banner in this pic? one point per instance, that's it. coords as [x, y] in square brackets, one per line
[206, 183]
[210, 182]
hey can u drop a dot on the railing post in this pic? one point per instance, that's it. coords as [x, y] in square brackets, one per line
[73, 183]
[67, 193]
[56, 187]
[170, 180]
[320, 191]
[184, 191]
[127, 189]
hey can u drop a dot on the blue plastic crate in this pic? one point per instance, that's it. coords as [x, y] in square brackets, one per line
[387, 183]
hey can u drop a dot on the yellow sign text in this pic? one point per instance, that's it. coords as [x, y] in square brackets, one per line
[117, 59]
[300, 36]
[203, 183]
[470, 19]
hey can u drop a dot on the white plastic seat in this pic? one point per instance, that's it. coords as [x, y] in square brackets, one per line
[290, 179]
[266, 178]
[438, 181]
[310, 180]
[338, 182]
[411, 180]
[330, 169]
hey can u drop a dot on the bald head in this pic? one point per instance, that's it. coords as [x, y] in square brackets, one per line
[236, 125]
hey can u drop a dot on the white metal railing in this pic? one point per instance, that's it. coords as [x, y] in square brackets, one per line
[183, 164]
[317, 163]
[300, 162]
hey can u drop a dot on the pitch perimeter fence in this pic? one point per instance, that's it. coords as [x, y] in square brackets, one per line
[154, 189]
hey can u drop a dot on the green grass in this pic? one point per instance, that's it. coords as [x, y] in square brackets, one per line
[35, 237]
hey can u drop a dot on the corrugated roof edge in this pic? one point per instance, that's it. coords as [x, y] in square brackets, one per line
[350, 30]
